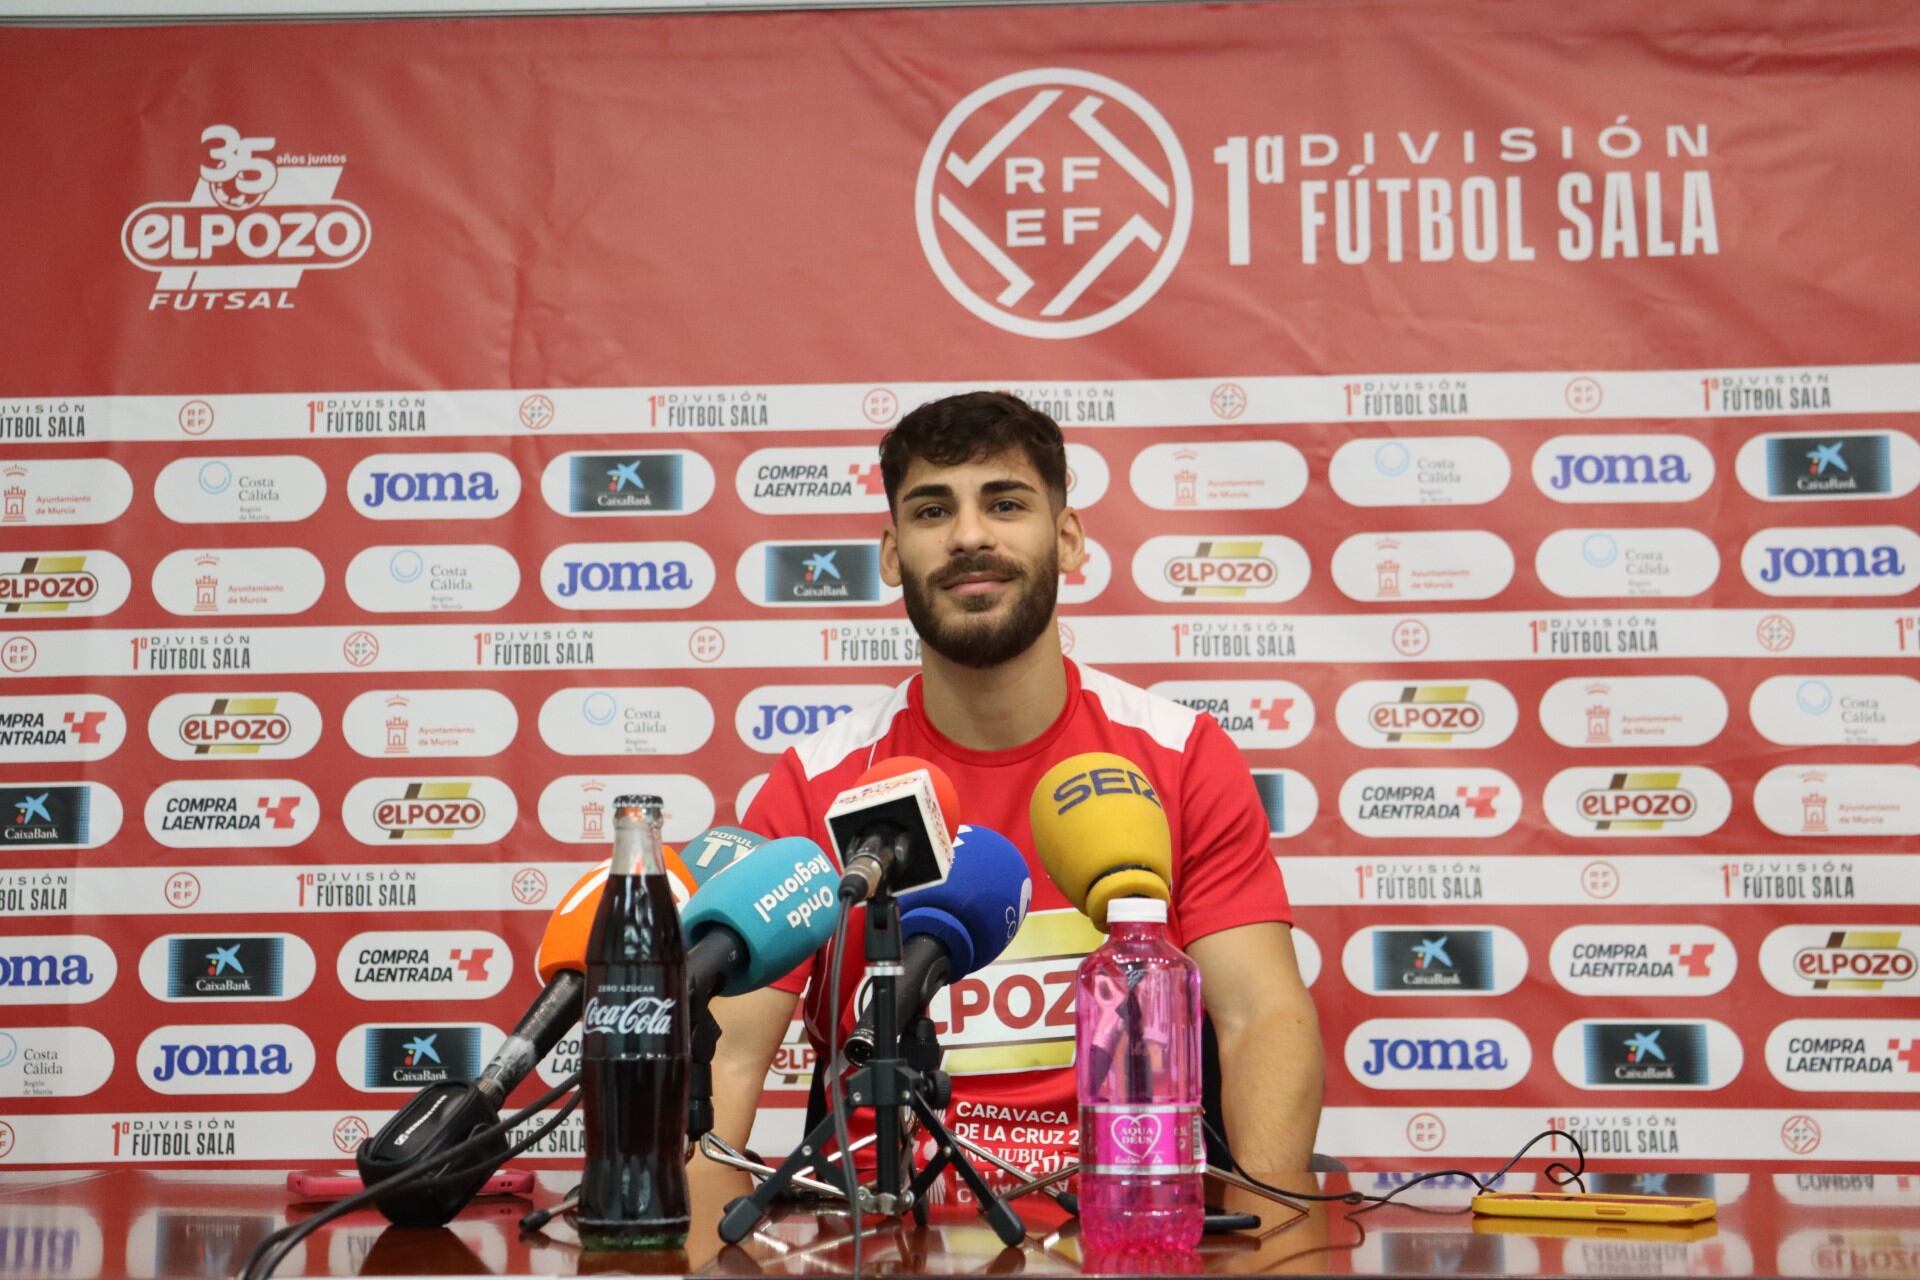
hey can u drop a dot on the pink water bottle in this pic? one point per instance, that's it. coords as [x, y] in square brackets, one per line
[1137, 1028]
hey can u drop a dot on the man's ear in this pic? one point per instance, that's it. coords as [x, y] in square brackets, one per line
[889, 557]
[1071, 540]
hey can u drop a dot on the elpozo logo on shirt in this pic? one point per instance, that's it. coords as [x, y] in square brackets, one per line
[472, 810]
[1867, 1055]
[1622, 469]
[258, 489]
[279, 725]
[240, 967]
[244, 580]
[1438, 1053]
[73, 968]
[982, 209]
[60, 584]
[1839, 800]
[1259, 715]
[1846, 560]
[1841, 466]
[657, 482]
[1435, 960]
[433, 486]
[1842, 960]
[1643, 960]
[58, 728]
[255, 223]
[1633, 711]
[438, 964]
[1420, 714]
[205, 813]
[1638, 800]
[60, 491]
[1670, 1053]
[773, 717]
[636, 720]
[226, 1058]
[430, 722]
[1017, 1014]
[1445, 803]
[1830, 710]
[1176, 569]
[1419, 471]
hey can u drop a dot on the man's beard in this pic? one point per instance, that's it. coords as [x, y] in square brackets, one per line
[977, 642]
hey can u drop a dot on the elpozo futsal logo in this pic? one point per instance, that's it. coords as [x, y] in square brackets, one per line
[254, 225]
[1053, 203]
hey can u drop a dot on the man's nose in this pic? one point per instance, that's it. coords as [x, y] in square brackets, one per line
[970, 531]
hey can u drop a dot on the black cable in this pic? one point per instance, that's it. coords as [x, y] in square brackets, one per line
[273, 1248]
[1572, 1173]
[836, 1082]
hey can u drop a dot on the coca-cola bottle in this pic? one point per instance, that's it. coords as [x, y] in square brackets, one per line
[634, 1048]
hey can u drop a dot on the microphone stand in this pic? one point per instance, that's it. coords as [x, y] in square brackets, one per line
[885, 1085]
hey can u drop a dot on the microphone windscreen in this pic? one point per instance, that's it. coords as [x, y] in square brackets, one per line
[1100, 832]
[943, 789]
[715, 849]
[986, 894]
[564, 944]
[782, 902]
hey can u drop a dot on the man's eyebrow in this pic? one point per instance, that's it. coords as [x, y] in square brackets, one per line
[927, 491]
[1007, 486]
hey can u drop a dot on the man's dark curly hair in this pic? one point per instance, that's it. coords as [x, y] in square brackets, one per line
[972, 426]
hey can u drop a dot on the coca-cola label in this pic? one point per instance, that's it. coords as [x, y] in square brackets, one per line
[1149, 1139]
[637, 1018]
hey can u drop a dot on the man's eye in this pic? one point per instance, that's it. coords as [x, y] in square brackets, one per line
[1008, 504]
[929, 512]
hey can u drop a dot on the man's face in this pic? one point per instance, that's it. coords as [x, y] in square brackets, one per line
[977, 551]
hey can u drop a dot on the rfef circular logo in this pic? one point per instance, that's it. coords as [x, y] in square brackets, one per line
[1053, 203]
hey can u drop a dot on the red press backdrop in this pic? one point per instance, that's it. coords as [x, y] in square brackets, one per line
[1499, 415]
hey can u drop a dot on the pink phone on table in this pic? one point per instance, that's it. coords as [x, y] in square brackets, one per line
[338, 1184]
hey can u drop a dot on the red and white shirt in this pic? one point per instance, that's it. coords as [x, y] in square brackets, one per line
[1008, 1029]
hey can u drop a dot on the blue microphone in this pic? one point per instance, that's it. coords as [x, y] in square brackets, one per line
[757, 919]
[956, 927]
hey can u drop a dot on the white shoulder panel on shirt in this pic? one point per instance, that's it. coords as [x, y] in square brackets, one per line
[860, 728]
[1165, 721]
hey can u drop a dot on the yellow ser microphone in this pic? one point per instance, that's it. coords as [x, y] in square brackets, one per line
[1100, 832]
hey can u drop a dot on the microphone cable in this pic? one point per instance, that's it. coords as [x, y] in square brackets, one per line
[274, 1247]
[837, 1084]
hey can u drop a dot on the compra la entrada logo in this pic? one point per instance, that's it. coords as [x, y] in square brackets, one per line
[256, 223]
[1053, 203]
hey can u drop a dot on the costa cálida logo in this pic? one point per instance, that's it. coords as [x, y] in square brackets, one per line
[257, 220]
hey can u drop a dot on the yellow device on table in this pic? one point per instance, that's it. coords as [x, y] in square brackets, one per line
[1594, 1208]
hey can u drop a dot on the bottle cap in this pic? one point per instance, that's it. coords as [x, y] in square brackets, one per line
[1136, 911]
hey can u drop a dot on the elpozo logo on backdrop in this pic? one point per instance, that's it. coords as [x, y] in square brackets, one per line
[253, 726]
[1175, 568]
[255, 223]
[1053, 203]
[474, 810]
[1598, 800]
[1842, 960]
[1419, 714]
[38, 584]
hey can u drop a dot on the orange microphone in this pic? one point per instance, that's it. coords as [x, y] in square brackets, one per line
[564, 944]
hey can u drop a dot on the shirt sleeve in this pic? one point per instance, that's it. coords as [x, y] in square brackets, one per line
[781, 809]
[1225, 876]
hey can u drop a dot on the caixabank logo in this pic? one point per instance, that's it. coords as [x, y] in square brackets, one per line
[1692, 1054]
[1848, 465]
[784, 575]
[1867, 1055]
[256, 222]
[380, 1057]
[1289, 799]
[663, 482]
[1842, 960]
[1440, 960]
[58, 815]
[1053, 203]
[222, 967]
